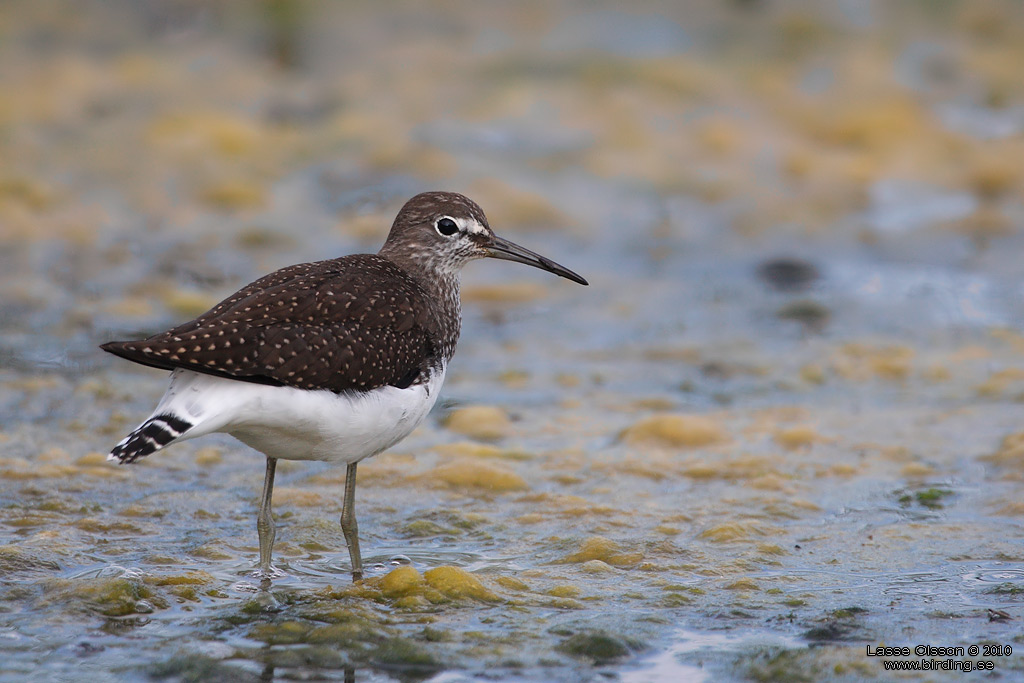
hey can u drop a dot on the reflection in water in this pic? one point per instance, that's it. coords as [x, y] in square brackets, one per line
[683, 660]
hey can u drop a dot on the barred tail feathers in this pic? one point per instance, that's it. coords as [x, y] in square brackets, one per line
[152, 435]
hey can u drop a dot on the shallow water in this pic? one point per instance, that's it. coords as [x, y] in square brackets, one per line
[782, 424]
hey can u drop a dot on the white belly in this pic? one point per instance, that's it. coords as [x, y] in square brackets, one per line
[296, 424]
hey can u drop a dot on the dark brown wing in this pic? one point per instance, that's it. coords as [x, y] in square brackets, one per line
[354, 323]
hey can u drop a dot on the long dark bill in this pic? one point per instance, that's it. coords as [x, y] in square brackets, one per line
[509, 251]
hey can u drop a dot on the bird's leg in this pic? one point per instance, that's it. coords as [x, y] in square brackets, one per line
[265, 520]
[348, 523]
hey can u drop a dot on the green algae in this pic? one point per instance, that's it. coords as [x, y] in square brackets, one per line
[423, 528]
[597, 646]
[281, 633]
[405, 655]
[932, 498]
[14, 559]
[198, 669]
[109, 597]
[782, 666]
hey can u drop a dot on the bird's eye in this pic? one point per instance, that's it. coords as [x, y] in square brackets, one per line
[446, 226]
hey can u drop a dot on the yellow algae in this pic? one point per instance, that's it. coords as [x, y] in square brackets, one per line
[668, 530]
[472, 449]
[233, 195]
[744, 467]
[992, 172]
[937, 373]
[512, 583]
[290, 495]
[514, 379]
[530, 518]
[874, 124]
[742, 585]
[53, 455]
[385, 469]
[475, 475]
[686, 354]
[595, 567]
[454, 582]
[770, 482]
[364, 226]
[509, 293]
[812, 374]
[192, 578]
[96, 387]
[511, 206]
[564, 603]
[741, 530]
[187, 303]
[703, 471]
[985, 223]
[281, 632]
[186, 593]
[14, 559]
[1000, 381]
[770, 549]
[487, 423]
[676, 431]
[255, 237]
[289, 466]
[430, 597]
[93, 525]
[223, 133]
[890, 453]
[27, 192]
[211, 551]
[116, 597]
[856, 361]
[210, 455]
[1011, 509]
[793, 438]
[401, 582]
[917, 469]
[719, 136]
[130, 307]
[564, 591]
[568, 380]
[92, 459]
[1010, 452]
[675, 76]
[428, 161]
[424, 527]
[52, 471]
[650, 467]
[1013, 338]
[136, 510]
[33, 383]
[604, 549]
[839, 470]
[581, 507]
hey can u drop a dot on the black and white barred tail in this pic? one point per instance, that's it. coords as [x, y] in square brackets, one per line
[151, 436]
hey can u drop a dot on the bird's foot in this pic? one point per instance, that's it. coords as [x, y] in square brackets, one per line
[267, 574]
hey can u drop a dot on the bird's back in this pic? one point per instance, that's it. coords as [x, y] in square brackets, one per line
[349, 324]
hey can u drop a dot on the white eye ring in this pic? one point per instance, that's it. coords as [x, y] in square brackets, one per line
[446, 226]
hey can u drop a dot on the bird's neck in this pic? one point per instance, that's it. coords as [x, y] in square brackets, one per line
[440, 284]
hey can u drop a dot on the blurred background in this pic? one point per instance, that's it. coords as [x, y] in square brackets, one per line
[785, 413]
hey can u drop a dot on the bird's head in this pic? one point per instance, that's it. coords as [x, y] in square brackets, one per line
[442, 231]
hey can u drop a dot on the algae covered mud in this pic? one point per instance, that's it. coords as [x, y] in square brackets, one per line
[782, 428]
